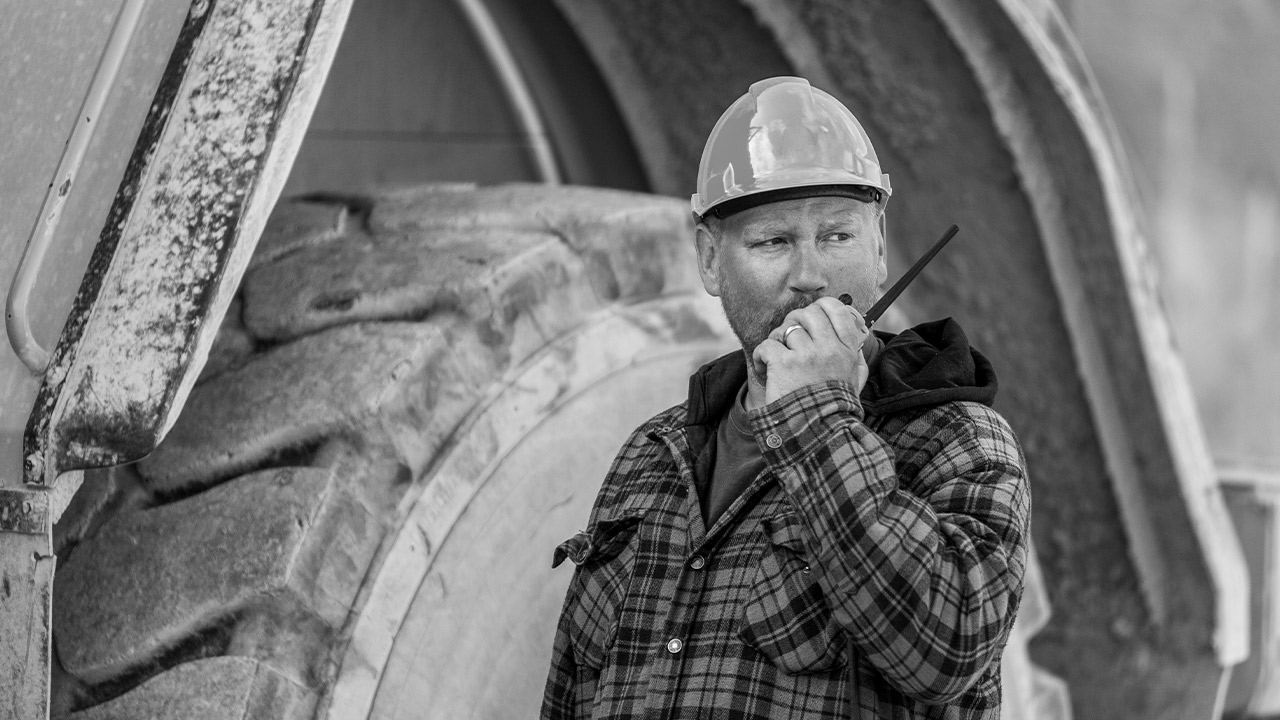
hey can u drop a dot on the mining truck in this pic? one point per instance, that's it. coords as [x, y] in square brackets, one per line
[326, 317]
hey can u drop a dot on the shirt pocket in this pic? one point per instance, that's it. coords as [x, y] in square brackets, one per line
[785, 615]
[605, 558]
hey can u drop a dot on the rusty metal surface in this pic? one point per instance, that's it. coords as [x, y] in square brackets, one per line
[213, 153]
[24, 511]
[48, 51]
[26, 602]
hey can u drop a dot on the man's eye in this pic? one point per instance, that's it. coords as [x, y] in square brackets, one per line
[773, 241]
[840, 237]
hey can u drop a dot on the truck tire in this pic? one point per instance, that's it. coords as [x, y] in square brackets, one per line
[412, 400]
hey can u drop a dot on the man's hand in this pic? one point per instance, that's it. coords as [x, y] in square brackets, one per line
[827, 345]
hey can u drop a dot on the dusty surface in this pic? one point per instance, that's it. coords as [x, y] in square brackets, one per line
[297, 395]
[178, 224]
[153, 577]
[214, 689]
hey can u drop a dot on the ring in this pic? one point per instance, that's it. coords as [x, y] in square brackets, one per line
[787, 333]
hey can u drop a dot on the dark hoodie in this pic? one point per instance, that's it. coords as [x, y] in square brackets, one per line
[930, 364]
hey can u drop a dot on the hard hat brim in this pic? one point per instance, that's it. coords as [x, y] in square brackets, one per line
[863, 193]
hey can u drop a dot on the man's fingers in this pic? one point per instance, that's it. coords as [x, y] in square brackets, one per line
[812, 344]
[837, 310]
[825, 320]
[797, 330]
[846, 322]
[766, 352]
[816, 326]
[792, 329]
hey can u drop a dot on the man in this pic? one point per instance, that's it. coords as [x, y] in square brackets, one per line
[834, 524]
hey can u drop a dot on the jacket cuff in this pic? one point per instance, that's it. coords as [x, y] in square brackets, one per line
[790, 425]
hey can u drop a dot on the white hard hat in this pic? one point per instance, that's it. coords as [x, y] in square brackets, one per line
[786, 139]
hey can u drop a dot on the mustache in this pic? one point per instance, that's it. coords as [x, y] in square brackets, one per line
[795, 302]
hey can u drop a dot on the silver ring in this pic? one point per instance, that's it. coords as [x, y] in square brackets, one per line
[787, 333]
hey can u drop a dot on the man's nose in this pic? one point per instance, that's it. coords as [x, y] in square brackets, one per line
[807, 274]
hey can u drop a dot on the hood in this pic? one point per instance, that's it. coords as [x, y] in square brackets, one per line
[928, 365]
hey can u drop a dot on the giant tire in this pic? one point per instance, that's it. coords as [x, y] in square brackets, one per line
[412, 401]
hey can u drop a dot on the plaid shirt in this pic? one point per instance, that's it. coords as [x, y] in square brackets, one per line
[896, 543]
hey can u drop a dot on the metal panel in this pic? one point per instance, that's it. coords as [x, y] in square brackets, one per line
[214, 151]
[1253, 496]
[48, 51]
[26, 604]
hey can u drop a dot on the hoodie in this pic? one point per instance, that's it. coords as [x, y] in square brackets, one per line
[929, 364]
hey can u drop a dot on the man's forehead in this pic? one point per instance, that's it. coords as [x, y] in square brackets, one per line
[787, 213]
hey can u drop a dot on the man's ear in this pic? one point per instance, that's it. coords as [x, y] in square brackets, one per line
[708, 259]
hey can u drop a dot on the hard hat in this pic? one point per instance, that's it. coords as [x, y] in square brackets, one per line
[786, 139]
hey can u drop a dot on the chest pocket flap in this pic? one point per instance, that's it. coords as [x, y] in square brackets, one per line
[785, 616]
[607, 539]
[605, 560]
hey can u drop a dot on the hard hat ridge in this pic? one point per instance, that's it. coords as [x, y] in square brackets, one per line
[786, 135]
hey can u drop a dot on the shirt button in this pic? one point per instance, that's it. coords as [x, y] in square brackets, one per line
[773, 441]
[675, 645]
[697, 562]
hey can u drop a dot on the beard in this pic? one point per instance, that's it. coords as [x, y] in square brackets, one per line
[752, 320]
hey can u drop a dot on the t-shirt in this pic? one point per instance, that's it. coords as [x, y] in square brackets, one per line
[737, 460]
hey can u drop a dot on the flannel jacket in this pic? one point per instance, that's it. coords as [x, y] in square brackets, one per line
[873, 569]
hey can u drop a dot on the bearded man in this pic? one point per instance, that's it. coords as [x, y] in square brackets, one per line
[835, 522]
